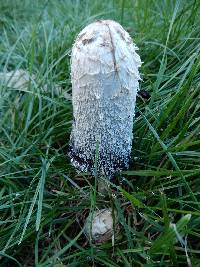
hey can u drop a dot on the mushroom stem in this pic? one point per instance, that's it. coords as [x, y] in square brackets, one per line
[103, 186]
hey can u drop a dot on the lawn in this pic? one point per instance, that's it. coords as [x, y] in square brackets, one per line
[43, 200]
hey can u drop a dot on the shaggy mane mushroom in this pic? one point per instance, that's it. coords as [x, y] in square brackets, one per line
[104, 72]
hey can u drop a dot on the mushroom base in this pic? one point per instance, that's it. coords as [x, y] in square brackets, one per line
[107, 165]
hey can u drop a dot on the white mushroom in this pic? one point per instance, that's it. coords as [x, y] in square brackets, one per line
[19, 79]
[100, 226]
[104, 72]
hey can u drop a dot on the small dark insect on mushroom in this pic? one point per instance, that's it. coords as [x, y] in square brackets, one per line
[104, 72]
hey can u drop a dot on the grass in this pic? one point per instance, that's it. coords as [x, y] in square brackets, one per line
[43, 201]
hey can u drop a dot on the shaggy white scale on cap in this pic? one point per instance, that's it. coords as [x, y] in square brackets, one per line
[104, 72]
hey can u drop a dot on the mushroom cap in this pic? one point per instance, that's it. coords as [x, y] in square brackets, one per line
[99, 226]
